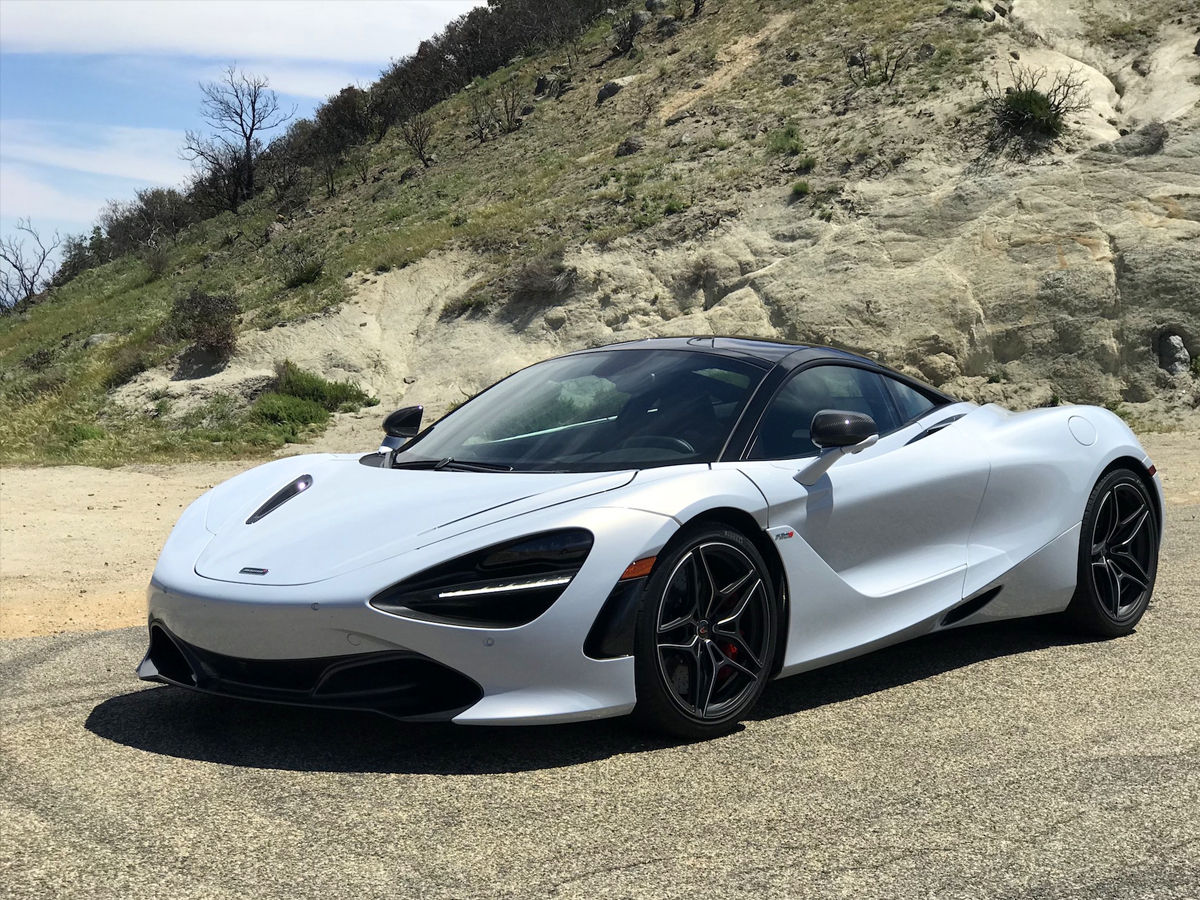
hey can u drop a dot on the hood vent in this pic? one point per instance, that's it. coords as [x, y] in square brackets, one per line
[282, 496]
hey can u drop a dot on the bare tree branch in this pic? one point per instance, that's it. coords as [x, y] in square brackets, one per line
[417, 131]
[26, 271]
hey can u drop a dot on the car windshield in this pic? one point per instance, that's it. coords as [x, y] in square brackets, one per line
[607, 410]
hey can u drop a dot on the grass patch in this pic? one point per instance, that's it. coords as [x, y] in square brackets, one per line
[800, 190]
[332, 396]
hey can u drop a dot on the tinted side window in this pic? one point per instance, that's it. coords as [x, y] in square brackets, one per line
[911, 404]
[783, 431]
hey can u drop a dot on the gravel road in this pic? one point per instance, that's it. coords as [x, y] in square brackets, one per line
[1001, 761]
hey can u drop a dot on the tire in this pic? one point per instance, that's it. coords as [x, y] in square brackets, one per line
[1118, 557]
[705, 638]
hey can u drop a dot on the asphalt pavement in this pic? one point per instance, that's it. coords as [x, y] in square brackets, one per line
[1010, 760]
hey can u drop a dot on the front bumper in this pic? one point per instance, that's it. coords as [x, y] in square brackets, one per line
[401, 684]
[239, 639]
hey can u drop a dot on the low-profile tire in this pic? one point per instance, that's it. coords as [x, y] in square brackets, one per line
[705, 637]
[1118, 556]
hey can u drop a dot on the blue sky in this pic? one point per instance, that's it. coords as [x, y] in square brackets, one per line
[95, 95]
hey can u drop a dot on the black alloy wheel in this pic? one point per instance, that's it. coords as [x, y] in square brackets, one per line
[1118, 556]
[706, 635]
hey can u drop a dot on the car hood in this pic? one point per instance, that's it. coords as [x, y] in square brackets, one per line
[354, 515]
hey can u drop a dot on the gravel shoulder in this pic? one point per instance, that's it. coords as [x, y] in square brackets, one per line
[78, 544]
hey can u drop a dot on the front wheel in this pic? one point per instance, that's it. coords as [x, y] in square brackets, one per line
[1118, 556]
[706, 634]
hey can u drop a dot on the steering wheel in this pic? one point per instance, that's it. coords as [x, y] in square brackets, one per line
[660, 442]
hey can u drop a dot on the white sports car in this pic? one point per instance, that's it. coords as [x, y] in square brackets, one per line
[657, 527]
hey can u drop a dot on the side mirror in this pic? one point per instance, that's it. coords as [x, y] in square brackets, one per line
[836, 432]
[838, 428]
[404, 422]
[401, 425]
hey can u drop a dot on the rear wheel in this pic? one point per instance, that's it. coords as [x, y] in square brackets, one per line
[1118, 556]
[706, 634]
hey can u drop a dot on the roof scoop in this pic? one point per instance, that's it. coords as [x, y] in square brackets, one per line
[280, 497]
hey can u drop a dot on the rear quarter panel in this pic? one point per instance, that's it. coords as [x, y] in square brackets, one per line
[1044, 464]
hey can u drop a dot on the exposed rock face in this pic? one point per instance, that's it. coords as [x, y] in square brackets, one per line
[1173, 355]
[1145, 141]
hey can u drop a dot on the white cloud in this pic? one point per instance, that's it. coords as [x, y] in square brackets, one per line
[27, 193]
[146, 155]
[348, 31]
[294, 79]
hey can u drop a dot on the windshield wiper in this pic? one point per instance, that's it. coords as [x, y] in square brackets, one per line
[458, 465]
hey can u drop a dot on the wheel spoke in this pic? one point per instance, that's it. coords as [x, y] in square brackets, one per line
[1127, 566]
[676, 624]
[1114, 581]
[1107, 517]
[1131, 527]
[706, 678]
[704, 608]
[740, 648]
[690, 645]
[729, 623]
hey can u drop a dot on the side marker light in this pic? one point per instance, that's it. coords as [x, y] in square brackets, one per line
[638, 569]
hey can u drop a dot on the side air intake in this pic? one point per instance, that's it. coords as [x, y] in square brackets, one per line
[972, 606]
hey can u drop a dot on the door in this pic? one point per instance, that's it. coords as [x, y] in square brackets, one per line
[878, 546]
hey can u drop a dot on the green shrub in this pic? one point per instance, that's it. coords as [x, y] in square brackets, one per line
[785, 141]
[208, 320]
[977, 12]
[1030, 111]
[78, 432]
[127, 362]
[299, 264]
[806, 164]
[157, 262]
[472, 303]
[674, 204]
[39, 360]
[801, 189]
[289, 414]
[331, 396]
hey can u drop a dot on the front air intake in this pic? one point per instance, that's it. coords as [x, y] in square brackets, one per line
[165, 661]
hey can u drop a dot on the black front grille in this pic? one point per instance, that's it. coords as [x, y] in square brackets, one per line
[398, 683]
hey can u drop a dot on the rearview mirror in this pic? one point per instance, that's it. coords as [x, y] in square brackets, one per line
[839, 428]
[836, 432]
[404, 422]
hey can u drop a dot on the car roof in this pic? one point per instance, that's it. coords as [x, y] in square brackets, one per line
[778, 356]
[763, 350]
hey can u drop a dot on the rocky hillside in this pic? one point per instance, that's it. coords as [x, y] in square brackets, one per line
[818, 171]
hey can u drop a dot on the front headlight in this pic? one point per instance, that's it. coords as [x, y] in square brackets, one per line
[501, 586]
